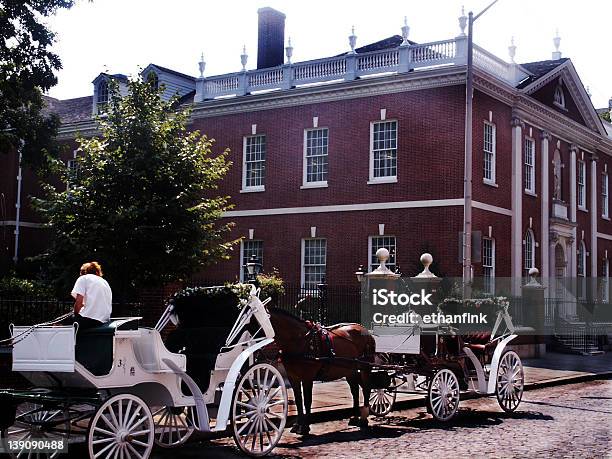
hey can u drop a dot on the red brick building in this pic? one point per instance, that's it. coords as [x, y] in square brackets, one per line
[336, 157]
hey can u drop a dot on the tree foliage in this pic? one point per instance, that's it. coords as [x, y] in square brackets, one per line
[27, 69]
[142, 200]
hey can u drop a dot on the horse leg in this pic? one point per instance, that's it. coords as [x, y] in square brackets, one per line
[297, 394]
[353, 382]
[307, 385]
[364, 381]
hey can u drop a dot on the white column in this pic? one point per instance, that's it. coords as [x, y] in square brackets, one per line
[544, 244]
[571, 272]
[594, 215]
[517, 204]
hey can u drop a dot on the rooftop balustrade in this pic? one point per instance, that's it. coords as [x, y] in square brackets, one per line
[402, 59]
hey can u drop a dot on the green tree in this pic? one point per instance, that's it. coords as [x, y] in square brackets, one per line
[27, 69]
[141, 201]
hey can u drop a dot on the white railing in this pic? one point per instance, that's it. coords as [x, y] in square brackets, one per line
[319, 70]
[221, 85]
[351, 66]
[492, 64]
[377, 60]
[441, 52]
[266, 77]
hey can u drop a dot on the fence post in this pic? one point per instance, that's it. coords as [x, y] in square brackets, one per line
[533, 305]
[322, 301]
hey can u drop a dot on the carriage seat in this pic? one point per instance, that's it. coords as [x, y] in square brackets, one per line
[94, 348]
[150, 352]
[479, 342]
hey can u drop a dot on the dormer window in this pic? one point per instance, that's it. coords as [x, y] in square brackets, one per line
[153, 80]
[559, 98]
[102, 97]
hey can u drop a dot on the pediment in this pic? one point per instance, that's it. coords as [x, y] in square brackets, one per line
[562, 90]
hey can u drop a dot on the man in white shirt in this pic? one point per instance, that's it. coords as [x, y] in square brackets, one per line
[93, 297]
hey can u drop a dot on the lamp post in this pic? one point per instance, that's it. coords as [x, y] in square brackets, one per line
[253, 268]
[467, 180]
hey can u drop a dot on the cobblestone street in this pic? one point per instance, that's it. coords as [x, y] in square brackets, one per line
[564, 421]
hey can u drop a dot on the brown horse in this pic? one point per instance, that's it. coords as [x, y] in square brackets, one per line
[310, 352]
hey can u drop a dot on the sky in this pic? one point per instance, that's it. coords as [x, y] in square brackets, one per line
[121, 36]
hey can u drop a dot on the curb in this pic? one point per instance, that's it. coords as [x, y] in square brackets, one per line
[345, 413]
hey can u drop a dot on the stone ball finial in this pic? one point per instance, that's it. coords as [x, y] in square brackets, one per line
[382, 255]
[426, 260]
[534, 271]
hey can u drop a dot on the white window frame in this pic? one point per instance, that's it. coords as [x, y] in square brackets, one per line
[559, 96]
[581, 185]
[488, 286]
[581, 267]
[529, 252]
[530, 166]
[242, 255]
[102, 105]
[253, 188]
[605, 281]
[393, 253]
[492, 179]
[303, 262]
[605, 199]
[388, 178]
[305, 182]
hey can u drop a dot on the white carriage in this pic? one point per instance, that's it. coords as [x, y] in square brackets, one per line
[123, 391]
[436, 361]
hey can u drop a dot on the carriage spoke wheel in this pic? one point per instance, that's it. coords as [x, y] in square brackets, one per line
[121, 428]
[443, 395]
[34, 422]
[173, 425]
[510, 381]
[259, 410]
[382, 400]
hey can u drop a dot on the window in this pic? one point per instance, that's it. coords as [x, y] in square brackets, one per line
[605, 281]
[488, 265]
[581, 269]
[316, 143]
[72, 166]
[153, 79]
[254, 167]
[559, 98]
[102, 96]
[379, 242]
[383, 151]
[604, 196]
[314, 254]
[528, 252]
[250, 248]
[581, 185]
[489, 152]
[529, 166]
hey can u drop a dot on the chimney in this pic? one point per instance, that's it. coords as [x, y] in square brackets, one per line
[270, 38]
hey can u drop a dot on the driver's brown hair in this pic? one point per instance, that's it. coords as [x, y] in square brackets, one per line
[93, 267]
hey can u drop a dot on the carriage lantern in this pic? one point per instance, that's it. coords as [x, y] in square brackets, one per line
[253, 268]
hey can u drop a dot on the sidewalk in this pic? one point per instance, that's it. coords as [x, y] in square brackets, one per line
[332, 399]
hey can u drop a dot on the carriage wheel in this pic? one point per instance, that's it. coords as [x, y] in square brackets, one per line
[382, 400]
[259, 410]
[443, 395]
[510, 381]
[34, 422]
[122, 427]
[173, 425]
